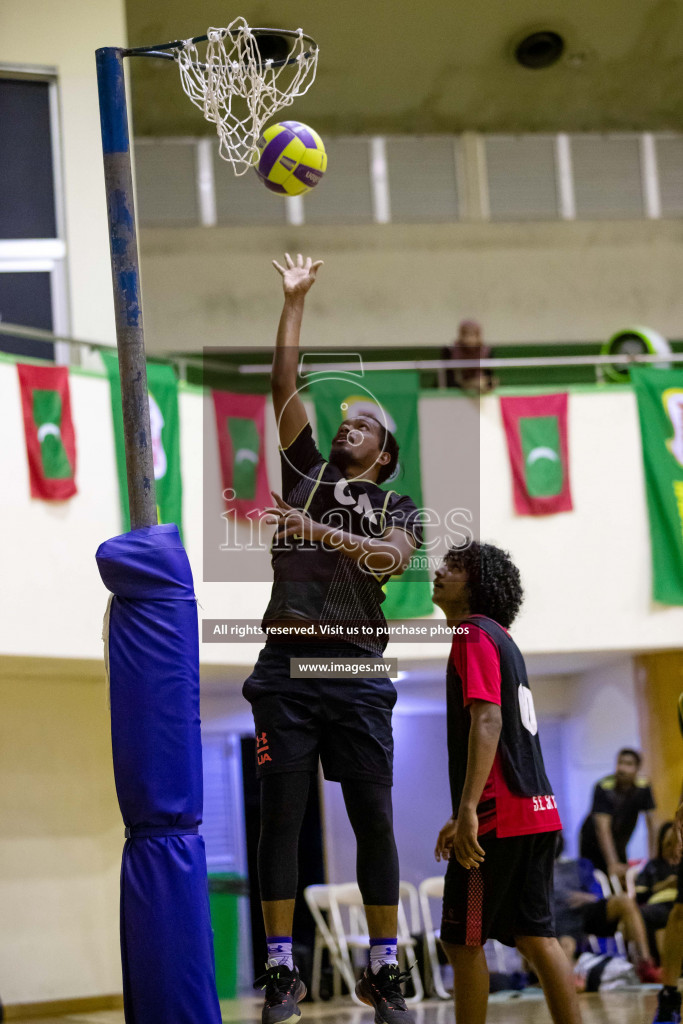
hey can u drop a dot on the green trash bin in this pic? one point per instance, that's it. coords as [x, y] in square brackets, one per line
[225, 889]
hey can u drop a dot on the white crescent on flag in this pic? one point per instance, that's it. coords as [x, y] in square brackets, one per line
[541, 453]
[48, 428]
[246, 455]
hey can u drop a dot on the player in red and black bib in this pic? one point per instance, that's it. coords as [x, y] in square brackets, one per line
[500, 841]
[340, 538]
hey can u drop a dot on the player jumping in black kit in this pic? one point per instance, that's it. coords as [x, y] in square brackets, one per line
[339, 539]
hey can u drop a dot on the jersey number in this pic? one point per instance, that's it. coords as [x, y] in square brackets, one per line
[527, 710]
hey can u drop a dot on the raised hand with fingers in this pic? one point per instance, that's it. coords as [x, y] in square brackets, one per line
[298, 277]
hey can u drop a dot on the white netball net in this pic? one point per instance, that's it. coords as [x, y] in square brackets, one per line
[237, 90]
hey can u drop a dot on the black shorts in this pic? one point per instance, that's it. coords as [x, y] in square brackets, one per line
[509, 895]
[346, 724]
[594, 920]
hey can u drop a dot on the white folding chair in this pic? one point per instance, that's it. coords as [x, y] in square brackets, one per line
[604, 883]
[616, 885]
[350, 932]
[631, 875]
[409, 928]
[627, 885]
[318, 901]
[408, 898]
[432, 889]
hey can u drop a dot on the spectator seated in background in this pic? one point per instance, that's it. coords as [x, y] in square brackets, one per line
[581, 910]
[617, 801]
[656, 885]
[469, 344]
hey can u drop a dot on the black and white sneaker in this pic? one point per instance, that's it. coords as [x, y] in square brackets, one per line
[383, 992]
[284, 991]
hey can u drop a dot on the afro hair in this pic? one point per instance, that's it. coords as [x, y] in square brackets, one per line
[494, 585]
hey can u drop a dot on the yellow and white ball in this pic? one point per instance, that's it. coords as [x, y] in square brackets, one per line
[291, 158]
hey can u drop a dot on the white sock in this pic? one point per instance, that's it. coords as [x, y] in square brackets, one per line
[383, 951]
[280, 951]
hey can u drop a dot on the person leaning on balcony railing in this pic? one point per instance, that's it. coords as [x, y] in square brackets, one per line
[469, 344]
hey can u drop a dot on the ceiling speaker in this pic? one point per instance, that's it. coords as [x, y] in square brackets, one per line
[539, 50]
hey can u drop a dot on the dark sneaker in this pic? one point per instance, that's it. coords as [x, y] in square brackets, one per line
[668, 1009]
[383, 991]
[284, 990]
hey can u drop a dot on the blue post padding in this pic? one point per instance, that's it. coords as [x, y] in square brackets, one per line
[166, 938]
[112, 93]
[151, 562]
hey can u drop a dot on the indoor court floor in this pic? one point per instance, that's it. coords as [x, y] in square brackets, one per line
[628, 1006]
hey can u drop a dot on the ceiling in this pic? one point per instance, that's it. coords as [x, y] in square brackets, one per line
[390, 66]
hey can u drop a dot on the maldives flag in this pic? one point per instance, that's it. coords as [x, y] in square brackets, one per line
[49, 430]
[240, 423]
[536, 432]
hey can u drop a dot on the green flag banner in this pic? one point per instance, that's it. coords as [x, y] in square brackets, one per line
[346, 395]
[162, 386]
[660, 408]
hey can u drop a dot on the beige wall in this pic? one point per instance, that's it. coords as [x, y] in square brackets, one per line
[61, 836]
[55, 603]
[64, 36]
[409, 285]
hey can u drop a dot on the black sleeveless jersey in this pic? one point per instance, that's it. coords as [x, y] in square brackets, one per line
[314, 583]
[519, 746]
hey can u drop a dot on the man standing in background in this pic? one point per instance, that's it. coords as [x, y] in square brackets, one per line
[617, 801]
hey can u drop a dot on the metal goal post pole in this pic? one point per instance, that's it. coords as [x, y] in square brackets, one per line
[126, 283]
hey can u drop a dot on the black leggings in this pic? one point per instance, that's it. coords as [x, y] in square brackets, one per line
[368, 805]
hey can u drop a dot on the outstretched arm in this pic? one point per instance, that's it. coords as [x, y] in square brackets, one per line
[290, 414]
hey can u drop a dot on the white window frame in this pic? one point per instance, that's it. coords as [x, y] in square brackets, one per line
[46, 255]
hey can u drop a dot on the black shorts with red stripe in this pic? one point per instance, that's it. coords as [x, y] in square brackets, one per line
[343, 723]
[507, 896]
